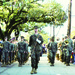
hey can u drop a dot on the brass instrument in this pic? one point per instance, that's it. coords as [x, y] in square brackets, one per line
[66, 42]
[1, 45]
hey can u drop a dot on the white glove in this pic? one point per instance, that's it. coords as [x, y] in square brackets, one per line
[29, 48]
[38, 41]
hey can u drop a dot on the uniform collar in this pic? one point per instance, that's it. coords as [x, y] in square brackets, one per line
[36, 34]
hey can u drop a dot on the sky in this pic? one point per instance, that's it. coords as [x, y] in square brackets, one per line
[62, 31]
[65, 3]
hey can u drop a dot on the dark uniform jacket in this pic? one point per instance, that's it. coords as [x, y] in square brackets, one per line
[54, 47]
[6, 46]
[35, 46]
[22, 46]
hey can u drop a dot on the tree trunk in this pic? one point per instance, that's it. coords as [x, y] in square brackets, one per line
[1, 34]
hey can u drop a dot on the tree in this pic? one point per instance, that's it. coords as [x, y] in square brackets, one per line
[20, 14]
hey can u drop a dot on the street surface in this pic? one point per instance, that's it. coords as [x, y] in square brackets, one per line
[43, 69]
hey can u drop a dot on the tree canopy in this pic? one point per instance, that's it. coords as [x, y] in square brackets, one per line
[18, 15]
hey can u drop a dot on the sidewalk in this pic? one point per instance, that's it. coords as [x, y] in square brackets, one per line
[43, 69]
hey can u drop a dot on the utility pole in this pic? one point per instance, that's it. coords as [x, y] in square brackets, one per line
[69, 18]
[54, 23]
[50, 30]
[54, 31]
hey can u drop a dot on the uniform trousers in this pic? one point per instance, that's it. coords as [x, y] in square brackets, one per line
[35, 61]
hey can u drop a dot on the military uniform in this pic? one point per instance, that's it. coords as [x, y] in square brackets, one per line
[62, 52]
[74, 46]
[21, 51]
[49, 51]
[53, 50]
[1, 48]
[66, 47]
[11, 52]
[36, 48]
[73, 57]
[26, 54]
[52, 47]
[5, 52]
[71, 48]
[15, 51]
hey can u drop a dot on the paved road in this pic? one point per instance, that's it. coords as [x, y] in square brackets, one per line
[44, 68]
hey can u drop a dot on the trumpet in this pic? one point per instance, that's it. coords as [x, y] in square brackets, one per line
[66, 42]
[1, 45]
